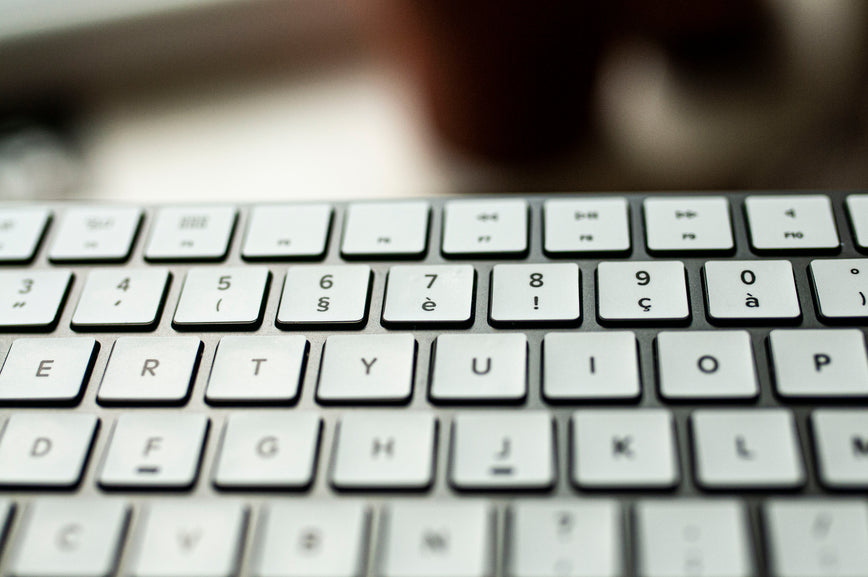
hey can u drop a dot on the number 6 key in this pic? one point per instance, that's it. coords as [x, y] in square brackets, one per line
[314, 295]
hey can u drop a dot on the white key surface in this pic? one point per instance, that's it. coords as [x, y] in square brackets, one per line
[535, 293]
[746, 449]
[435, 294]
[287, 231]
[857, 207]
[591, 365]
[387, 229]
[32, 299]
[841, 442]
[479, 227]
[191, 233]
[47, 370]
[222, 296]
[21, 230]
[751, 290]
[819, 362]
[688, 223]
[588, 225]
[490, 367]
[796, 222]
[95, 233]
[325, 295]
[841, 286]
[642, 291]
[373, 368]
[127, 298]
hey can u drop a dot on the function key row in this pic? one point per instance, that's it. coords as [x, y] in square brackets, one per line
[500, 228]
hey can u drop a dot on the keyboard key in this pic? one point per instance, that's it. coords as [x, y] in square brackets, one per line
[565, 539]
[485, 227]
[746, 449]
[535, 293]
[70, 538]
[385, 451]
[817, 537]
[624, 449]
[189, 539]
[257, 369]
[590, 366]
[819, 362]
[479, 367]
[688, 223]
[311, 539]
[332, 296]
[45, 450]
[437, 540]
[367, 368]
[96, 234]
[222, 297]
[797, 222]
[440, 295]
[751, 290]
[278, 231]
[386, 229]
[32, 300]
[195, 233]
[154, 450]
[21, 230]
[118, 299]
[642, 292]
[685, 538]
[150, 370]
[591, 225]
[857, 207]
[268, 450]
[841, 286]
[47, 370]
[706, 365]
[503, 451]
[841, 441]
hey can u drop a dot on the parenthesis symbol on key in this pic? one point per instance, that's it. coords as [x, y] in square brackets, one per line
[218, 304]
[864, 301]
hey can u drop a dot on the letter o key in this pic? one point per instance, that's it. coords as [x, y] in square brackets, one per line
[707, 364]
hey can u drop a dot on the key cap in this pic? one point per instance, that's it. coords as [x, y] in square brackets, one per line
[304, 539]
[746, 449]
[114, 299]
[485, 227]
[386, 229]
[819, 363]
[268, 450]
[490, 367]
[841, 286]
[857, 207]
[332, 296]
[191, 233]
[430, 295]
[45, 450]
[817, 537]
[154, 450]
[189, 539]
[755, 290]
[797, 222]
[623, 448]
[21, 231]
[96, 234]
[841, 442]
[384, 450]
[78, 537]
[437, 540]
[47, 370]
[590, 366]
[565, 539]
[687, 223]
[535, 293]
[150, 370]
[590, 225]
[502, 451]
[223, 297]
[706, 365]
[367, 368]
[249, 369]
[32, 300]
[685, 538]
[642, 291]
[276, 231]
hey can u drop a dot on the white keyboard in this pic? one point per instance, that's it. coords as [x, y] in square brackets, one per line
[526, 386]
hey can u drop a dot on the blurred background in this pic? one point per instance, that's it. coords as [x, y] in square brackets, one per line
[230, 100]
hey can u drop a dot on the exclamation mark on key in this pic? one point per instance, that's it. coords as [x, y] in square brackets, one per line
[536, 303]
